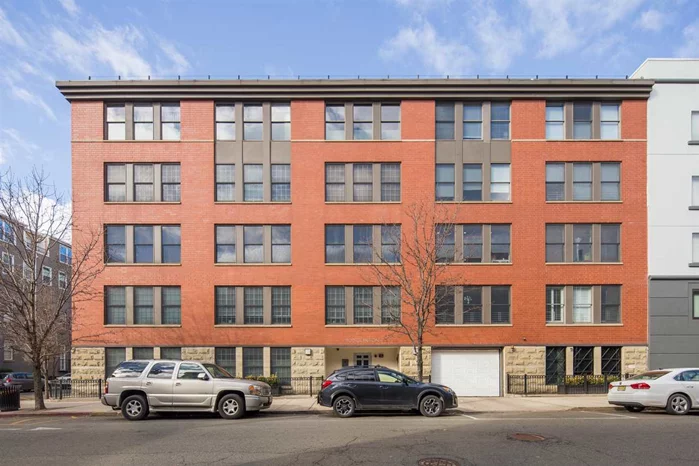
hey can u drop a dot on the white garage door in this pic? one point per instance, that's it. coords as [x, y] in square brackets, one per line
[468, 372]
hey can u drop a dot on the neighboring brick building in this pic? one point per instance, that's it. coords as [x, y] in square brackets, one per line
[219, 229]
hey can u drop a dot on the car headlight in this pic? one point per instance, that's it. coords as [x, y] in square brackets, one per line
[253, 390]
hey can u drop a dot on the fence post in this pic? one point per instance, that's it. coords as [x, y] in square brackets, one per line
[606, 383]
[60, 390]
[525, 384]
[508, 383]
[99, 388]
[587, 387]
[310, 385]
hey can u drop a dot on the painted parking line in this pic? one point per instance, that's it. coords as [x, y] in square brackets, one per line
[610, 414]
[470, 417]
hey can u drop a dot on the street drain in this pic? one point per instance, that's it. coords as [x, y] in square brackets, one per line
[526, 437]
[436, 462]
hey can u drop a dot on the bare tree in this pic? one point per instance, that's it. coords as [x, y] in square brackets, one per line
[38, 309]
[412, 268]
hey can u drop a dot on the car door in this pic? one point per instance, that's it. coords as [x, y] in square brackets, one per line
[394, 391]
[689, 381]
[158, 384]
[190, 391]
[28, 382]
[364, 386]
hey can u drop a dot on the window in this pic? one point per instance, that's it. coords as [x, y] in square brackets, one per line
[225, 305]
[609, 121]
[583, 360]
[582, 181]
[335, 122]
[362, 174]
[473, 182]
[225, 244]
[170, 238]
[473, 243]
[500, 304]
[444, 297]
[252, 122]
[252, 182]
[582, 243]
[7, 234]
[390, 121]
[143, 183]
[611, 360]
[695, 248]
[253, 244]
[46, 275]
[8, 354]
[281, 182]
[125, 369]
[189, 371]
[334, 182]
[473, 121]
[252, 362]
[582, 304]
[610, 243]
[143, 244]
[280, 363]
[695, 191]
[473, 305]
[252, 311]
[695, 305]
[611, 304]
[225, 182]
[32, 242]
[116, 122]
[390, 305]
[610, 179]
[281, 122]
[554, 120]
[363, 122]
[363, 305]
[63, 360]
[116, 244]
[281, 244]
[116, 182]
[445, 181]
[363, 244]
[334, 244]
[171, 305]
[582, 120]
[500, 182]
[334, 305]
[500, 243]
[170, 352]
[555, 182]
[281, 305]
[143, 122]
[555, 304]
[115, 299]
[444, 113]
[27, 272]
[555, 364]
[390, 243]
[170, 121]
[8, 262]
[115, 356]
[65, 254]
[160, 370]
[143, 305]
[444, 236]
[62, 280]
[555, 243]
[390, 182]
[695, 126]
[500, 120]
[170, 179]
[225, 357]
[225, 122]
[365, 375]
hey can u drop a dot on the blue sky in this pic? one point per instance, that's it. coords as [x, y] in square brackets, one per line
[46, 40]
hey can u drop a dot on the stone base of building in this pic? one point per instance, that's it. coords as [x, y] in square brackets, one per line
[87, 363]
[531, 360]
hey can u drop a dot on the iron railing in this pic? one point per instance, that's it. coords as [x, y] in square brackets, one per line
[9, 398]
[561, 385]
[298, 386]
[75, 388]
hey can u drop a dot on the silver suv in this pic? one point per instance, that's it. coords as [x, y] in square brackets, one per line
[142, 386]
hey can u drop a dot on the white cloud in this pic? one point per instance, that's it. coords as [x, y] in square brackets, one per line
[690, 46]
[652, 20]
[12, 145]
[179, 62]
[500, 43]
[423, 5]
[14, 135]
[70, 7]
[8, 34]
[24, 95]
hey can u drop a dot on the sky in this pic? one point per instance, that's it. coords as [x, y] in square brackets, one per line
[42, 41]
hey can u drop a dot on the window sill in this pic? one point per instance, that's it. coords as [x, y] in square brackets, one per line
[359, 325]
[475, 263]
[255, 264]
[586, 263]
[364, 264]
[142, 203]
[693, 143]
[252, 326]
[584, 202]
[551, 324]
[142, 264]
[694, 264]
[472, 325]
[472, 202]
[143, 326]
[251, 202]
[147, 141]
[361, 202]
[694, 207]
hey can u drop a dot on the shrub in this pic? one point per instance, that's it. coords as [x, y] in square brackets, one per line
[272, 380]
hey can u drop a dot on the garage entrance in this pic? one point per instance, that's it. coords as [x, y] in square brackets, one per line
[468, 372]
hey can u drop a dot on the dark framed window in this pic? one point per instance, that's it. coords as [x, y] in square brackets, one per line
[611, 360]
[112, 358]
[363, 252]
[281, 244]
[390, 243]
[143, 122]
[444, 297]
[143, 183]
[582, 181]
[500, 304]
[554, 120]
[171, 305]
[583, 360]
[335, 122]
[143, 305]
[253, 308]
[281, 122]
[116, 122]
[225, 244]
[252, 362]
[473, 182]
[334, 182]
[225, 304]
[252, 122]
[473, 121]
[582, 120]
[390, 305]
[7, 233]
[116, 182]
[473, 243]
[170, 121]
[281, 182]
[390, 182]
[609, 121]
[225, 182]
[170, 352]
[390, 121]
[444, 236]
[281, 305]
[280, 363]
[170, 182]
[555, 243]
[253, 244]
[362, 183]
[582, 304]
[363, 305]
[555, 304]
[611, 304]
[555, 181]
[171, 244]
[115, 301]
[555, 365]
[444, 115]
[225, 122]
[46, 275]
[444, 176]
[225, 357]
[695, 304]
[610, 175]
[500, 243]
[252, 182]
[500, 120]
[363, 122]
[145, 352]
[335, 305]
[582, 242]
[334, 244]
[500, 182]
[473, 305]
[116, 244]
[611, 239]
[143, 244]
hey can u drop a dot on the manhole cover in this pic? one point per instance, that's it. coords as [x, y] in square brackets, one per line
[436, 462]
[527, 437]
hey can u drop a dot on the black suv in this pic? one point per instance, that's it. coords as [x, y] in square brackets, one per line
[357, 388]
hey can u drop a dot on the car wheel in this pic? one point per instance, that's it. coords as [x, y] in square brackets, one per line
[678, 404]
[431, 406]
[635, 409]
[231, 406]
[344, 406]
[134, 408]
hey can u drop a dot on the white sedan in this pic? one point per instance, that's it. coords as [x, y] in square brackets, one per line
[676, 390]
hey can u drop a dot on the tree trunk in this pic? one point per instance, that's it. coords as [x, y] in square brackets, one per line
[38, 388]
[419, 361]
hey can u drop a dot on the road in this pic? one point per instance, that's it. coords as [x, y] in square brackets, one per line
[564, 438]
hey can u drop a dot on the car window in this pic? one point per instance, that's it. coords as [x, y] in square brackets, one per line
[688, 376]
[363, 376]
[389, 377]
[218, 371]
[189, 371]
[128, 369]
[162, 370]
[653, 375]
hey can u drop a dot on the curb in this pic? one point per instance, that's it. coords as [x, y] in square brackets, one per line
[56, 414]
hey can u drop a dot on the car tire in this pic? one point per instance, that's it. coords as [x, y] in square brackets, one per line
[431, 406]
[231, 406]
[344, 406]
[134, 408]
[634, 409]
[678, 404]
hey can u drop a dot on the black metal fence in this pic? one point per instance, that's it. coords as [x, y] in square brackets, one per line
[66, 388]
[298, 386]
[561, 385]
[9, 398]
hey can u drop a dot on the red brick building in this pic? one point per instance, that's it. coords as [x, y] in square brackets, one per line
[238, 214]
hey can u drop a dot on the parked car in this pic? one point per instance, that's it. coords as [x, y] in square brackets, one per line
[676, 390]
[357, 388]
[141, 387]
[22, 380]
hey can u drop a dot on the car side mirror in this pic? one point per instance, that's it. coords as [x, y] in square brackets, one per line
[405, 382]
[202, 376]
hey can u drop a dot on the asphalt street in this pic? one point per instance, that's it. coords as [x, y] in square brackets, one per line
[564, 438]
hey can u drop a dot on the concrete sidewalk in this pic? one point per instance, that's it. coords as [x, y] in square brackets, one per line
[298, 404]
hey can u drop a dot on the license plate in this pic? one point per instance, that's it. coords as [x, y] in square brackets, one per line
[621, 388]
